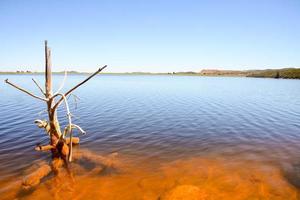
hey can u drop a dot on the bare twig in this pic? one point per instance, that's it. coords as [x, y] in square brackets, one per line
[91, 76]
[75, 99]
[75, 87]
[75, 96]
[36, 83]
[79, 128]
[62, 83]
[73, 127]
[23, 90]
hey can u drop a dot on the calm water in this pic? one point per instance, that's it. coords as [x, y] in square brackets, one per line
[154, 121]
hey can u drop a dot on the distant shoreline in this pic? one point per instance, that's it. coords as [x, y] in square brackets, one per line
[285, 73]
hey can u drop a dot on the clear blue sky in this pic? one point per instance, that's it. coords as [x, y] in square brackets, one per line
[155, 36]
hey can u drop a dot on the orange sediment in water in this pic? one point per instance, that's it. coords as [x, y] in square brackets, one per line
[195, 178]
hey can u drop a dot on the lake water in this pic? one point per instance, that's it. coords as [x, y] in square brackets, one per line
[233, 138]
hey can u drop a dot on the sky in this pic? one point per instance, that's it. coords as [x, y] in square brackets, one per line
[150, 36]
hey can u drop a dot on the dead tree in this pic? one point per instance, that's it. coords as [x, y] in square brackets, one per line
[60, 141]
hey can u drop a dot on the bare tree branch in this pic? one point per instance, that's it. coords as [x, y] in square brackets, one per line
[48, 71]
[91, 76]
[69, 129]
[75, 87]
[73, 127]
[43, 124]
[68, 111]
[36, 83]
[23, 90]
[44, 148]
[62, 83]
[79, 128]
[76, 98]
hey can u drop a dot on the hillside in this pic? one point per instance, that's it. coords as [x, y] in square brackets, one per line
[290, 73]
[287, 73]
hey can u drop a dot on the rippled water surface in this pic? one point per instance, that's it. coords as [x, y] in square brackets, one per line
[228, 137]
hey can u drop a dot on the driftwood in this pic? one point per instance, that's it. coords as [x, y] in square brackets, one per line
[60, 140]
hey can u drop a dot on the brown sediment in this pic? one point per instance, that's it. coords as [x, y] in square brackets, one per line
[195, 178]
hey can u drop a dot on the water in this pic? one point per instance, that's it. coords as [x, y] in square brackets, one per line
[236, 126]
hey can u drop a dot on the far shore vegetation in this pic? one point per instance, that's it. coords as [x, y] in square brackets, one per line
[285, 73]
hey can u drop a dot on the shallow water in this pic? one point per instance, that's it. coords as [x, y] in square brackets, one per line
[230, 137]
